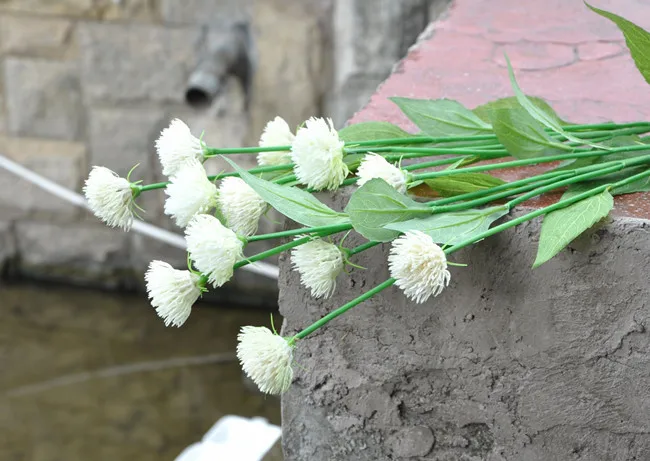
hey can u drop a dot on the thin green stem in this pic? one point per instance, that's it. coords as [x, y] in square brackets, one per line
[271, 252]
[586, 153]
[360, 248]
[344, 308]
[214, 151]
[303, 230]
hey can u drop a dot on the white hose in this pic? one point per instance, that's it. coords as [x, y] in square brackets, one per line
[171, 238]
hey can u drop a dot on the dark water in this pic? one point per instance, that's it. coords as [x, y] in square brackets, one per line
[93, 376]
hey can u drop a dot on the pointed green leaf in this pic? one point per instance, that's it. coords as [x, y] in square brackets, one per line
[451, 228]
[522, 135]
[561, 227]
[636, 38]
[292, 202]
[442, 117]
[539, 114]
[483, 111]
[619, 141]
[448, 186]
[376, 204]
[370, 131]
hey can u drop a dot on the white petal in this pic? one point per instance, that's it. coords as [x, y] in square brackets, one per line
[214, 248]
[318, 153]
[266, 359]
[172, 292]
[176, 147]
[318, 263]
[240, 205]
[276, 133]
[375, 166]
[418, 265]
[190, 192]
[109, 197]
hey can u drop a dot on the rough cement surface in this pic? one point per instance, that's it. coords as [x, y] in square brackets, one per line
[508, 363]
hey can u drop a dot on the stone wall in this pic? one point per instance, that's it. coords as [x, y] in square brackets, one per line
[90, 82]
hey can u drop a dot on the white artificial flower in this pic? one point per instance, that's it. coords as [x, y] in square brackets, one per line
[266, 359]
[375, 166]
[240, 205]
[172, 292]
[110, 197]
[214, 248]
[318, 263]
[189, 193]
[176, 146]
[276, 133]
[318, 153]
[418, 265]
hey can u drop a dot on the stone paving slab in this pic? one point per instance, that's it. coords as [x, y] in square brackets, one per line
[560, 50]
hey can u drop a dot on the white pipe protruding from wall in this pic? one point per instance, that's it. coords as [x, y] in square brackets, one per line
[163, 235]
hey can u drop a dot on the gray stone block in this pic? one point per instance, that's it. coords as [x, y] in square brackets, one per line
[123, 62]
[76, 8]
[214, 13]
[60, 161]
[508, 363]
[43, 99]
[35, 36]
[7, 243]
[122, 138]
[83, 252]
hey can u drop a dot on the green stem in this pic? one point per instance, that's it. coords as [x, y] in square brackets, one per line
[580, 153]
[344, 308]
[272, 252]
[214, 151]
[303, 230]
[360, 248]
[262, 169]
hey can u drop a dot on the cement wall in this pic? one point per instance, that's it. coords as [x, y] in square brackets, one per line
[508, 363]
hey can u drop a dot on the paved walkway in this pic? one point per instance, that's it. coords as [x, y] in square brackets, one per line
[560, 50]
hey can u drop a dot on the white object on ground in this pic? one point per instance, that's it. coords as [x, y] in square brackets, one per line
[163, 235]
[234, 438]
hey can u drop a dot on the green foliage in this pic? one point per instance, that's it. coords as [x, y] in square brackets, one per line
[636, 38]
[371, 131]
[442, 117]
[448, 186]
[561, 227]
[451, 228]
[294, 203]
[376, 204]
[522, 135]
[619, 141]
[538, 114]
[483, 111]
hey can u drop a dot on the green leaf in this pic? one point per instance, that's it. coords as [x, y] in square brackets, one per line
[539, 114]
[370, 131]
[292, 202]
[640, 185]
[522, 135]
[448, 186]
[376, 204]
[561, 227]
[483, 111]
[353, 161]
[442, 117]
[636, 39]
[451, 228]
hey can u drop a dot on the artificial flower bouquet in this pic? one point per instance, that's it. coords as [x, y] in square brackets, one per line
[449, 160]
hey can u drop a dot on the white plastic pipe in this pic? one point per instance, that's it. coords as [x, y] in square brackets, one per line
[171, 238]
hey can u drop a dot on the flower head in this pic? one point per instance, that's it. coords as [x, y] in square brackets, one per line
[110, 197]
[190, 192]
[214, 248]
[375, 166]
[240, 205]
[172, 292]
[176, 146]
[318, 263]
[276, 133]
[318, 153]
[419, 265]
[266, 359]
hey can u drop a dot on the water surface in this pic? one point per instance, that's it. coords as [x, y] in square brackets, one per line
[95, 376]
